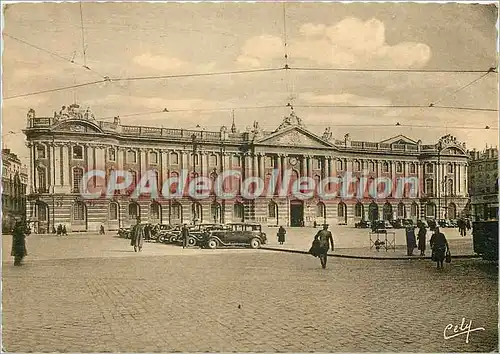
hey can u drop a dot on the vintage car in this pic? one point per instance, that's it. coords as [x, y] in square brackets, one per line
[363, 224]
[235, 234]
[124, 232]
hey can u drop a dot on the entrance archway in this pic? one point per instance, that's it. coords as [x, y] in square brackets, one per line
[272, 213]
[42, 217]
[387, 211]
[452, 211]
[296, 213]
[342, 213]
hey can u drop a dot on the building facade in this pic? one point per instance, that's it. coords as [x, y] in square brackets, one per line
[14, 187]
[71, 142]
[483, 183]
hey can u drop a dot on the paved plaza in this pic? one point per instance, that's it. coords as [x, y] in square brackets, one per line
[91, 293]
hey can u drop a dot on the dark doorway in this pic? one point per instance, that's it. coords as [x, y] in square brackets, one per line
[296, 213]
[373, 212]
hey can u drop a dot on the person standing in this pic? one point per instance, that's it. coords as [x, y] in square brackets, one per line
[325, 239]
[19, 233]
[137, 236]
[439, 246]
[101, 231]
[410, 240]
[422, 232]
[185, 236]
[64, 231]
[281, 235]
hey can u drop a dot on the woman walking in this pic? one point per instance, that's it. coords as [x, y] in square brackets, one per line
[19, 250]
[439, 246]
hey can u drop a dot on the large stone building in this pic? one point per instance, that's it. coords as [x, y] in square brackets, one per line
[64, 146]
[483, 185]
[14, 186]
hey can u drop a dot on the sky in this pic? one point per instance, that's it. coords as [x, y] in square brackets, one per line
[124, 40]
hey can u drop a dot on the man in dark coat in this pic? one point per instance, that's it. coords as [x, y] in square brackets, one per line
[325, 239]
[281, 235]
[137, 236]
[185, 236]
[19, 233]
[439, 246]
[422, 232]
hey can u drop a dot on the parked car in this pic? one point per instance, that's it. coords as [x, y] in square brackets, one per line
[397, 223]
[363, 224]
[236, 234]
[124, 232]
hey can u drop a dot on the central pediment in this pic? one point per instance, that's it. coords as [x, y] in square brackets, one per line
[77, 126]
[294, 137]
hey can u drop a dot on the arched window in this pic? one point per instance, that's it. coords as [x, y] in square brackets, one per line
[212, 160]
[385, 167]
[215, 212]
[373, 211]
[237, 161]
[452, 211]
[131, 156]
[78, 211]
[388, 211]
[341, 210]
[449, 187]
[429, 186]
[77, 178]
[340, 165]
[429, 168]
[176, 210]
[134, 211]
[238, 212]
[195, 159]
[358, 210]
[357, 166]
[399, 167]
[449, 168]
[371, 166]
[174, 158]
[272, 209]
[41, 151]
[155, 211]
[42, 179]
[77, 152]
[320, 210]
[113, 211]
[401, 211]
[414, 210]
[153, 157]
[430, 210]
[197, 211]
[412, 168]
[111, 154]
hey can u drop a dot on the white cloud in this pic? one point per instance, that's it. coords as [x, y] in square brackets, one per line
[348, 43]
[344, 99]
[158, 62]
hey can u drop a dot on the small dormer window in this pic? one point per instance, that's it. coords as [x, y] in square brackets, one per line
[77, 152]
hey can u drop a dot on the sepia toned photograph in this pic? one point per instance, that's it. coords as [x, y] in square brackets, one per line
[249, 177]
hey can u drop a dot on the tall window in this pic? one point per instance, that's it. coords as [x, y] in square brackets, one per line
[236, 161]
[78, 211]
[176, 210]
[269, 161]
[111, 154]
[77, 152]
[41, 151]
[131, 156]
[385, 167]
[429, 168]
[77, 178]
[449, 168]
[42, 179]
[357, 166]
[272, 209]
[134, 178]
[113, 211]
[174, 158]
[42, 211]
[340, 165]
[212, 160]
[399, 167]
[153, 157]
[341, 210]
[133, 211]
[154, 210]
[197, 211]
[320, 210]
[449, 187]
[429, 186]
[358, 210]
[215, 212]
[195, 159]
[412, 167]
[401, 210]
[371, 165]
[238, 211]
[414, 210]
[430, 210]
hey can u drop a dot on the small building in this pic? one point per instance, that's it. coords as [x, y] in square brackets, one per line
[14, 184]
[483, 183]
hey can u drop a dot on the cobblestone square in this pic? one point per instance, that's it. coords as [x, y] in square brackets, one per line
[169, 299]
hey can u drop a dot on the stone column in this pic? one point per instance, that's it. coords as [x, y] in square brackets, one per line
[466, 182]
[90, 162]
[31, 168]
[163, 167]
[65, 166]
[280, 168]
[329, 168]
[309, 166]
[100, 162]
[204, 157]
[262, 172]
[303, 166]
[143, 153]
[57, 163]
[255, 171]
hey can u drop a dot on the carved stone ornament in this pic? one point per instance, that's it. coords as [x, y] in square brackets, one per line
[74, 111]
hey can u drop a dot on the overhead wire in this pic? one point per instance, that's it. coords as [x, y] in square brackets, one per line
[83, 35]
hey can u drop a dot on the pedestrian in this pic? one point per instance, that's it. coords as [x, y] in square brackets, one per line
[185, 236]
[325, 239]
[468, 225]
[410, 240]
[59, 230]
[137, 236]
[422, 232]
[64, 231]
[439, 246]
[462, 227]
[281, 235]
[19, 233]
[101, 231]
